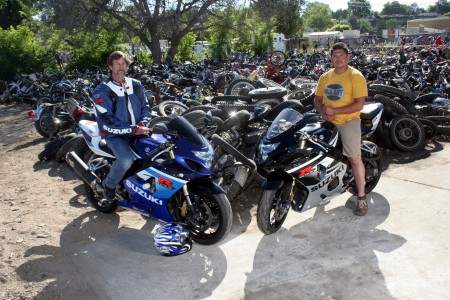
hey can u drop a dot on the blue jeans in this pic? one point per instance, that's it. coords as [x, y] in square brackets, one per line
[124, 159]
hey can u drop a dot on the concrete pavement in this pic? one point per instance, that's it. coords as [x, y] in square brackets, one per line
[400, 250]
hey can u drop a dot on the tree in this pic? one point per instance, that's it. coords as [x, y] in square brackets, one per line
[340, 14]
[152, 20]
[391, 23]
[441, 7]
[318, 16]
[359, 8]
[13, 12]
[287, 18]
[20, 52]
[69, 15]
[394, 8]
[364, 25]
[340, 27]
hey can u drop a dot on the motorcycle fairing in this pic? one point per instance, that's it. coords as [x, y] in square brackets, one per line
[150, 192]
[318, 189]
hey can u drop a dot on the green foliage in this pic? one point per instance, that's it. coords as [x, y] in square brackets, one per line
[394, 8]
[441, 7]
[91, 49]
[340, 14]
[364, 25]
[391, 23]
[20, 53]
[318, 16]
[340, 27]
[185, 48]
[359, 8]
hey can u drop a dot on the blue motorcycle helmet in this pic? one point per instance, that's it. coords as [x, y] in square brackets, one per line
[172, 239]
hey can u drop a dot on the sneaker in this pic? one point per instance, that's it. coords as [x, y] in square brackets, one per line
[362, 206]
[109, 194]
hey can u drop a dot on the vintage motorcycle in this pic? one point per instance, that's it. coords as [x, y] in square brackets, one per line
[171, 179]
[301, 158]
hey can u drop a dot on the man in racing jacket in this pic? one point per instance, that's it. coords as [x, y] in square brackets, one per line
[122, 111]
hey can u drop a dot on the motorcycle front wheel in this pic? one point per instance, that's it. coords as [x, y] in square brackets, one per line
[212, 217]
[273, 208]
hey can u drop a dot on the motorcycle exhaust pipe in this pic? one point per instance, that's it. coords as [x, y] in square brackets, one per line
[82, 169]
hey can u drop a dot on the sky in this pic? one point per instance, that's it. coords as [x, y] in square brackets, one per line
[377, 5]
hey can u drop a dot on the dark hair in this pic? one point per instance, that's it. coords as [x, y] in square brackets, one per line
[339, 45]
[116, 55]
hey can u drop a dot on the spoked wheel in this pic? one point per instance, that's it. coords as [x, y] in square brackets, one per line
[212, 219]
[101, 169]
[240, 87]
[273, 208]
[277, 58]
[171, 108]
[407, 133]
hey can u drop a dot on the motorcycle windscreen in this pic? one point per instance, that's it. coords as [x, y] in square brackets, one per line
[185, 130]
[285, 120]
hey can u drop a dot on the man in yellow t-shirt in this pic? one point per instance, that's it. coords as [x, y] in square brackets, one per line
[340, 96]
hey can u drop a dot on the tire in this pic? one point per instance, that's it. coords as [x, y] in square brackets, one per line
[153, 121]
[240, 87]
[230, 99]
[271, 114]
[214, 110]
[196, 118]
[46, 125]
[50, 150]
[442, 123]
[171, 108]
[268, 93]
[240, 120]
[407, 133]
[373, 169]
[66, 147]
[273, 208]
[315, 58]
[389, 89]
[277, 58]
[390, 105]
[216, 208]
[94, 197]
[426, 98]
[430, 128]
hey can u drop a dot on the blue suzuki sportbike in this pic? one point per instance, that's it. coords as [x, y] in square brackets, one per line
[171, 179]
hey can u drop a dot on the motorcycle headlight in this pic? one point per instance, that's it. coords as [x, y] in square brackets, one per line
[264, 150]
[207, 156]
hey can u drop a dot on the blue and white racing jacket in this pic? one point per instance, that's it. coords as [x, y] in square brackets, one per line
[120, 108]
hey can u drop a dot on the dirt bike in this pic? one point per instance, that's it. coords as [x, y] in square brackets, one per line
[301, 158]
[170, 180]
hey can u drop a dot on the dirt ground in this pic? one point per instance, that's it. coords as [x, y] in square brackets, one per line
[43, 213]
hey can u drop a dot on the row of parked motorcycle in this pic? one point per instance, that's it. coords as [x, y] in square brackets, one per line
[208, 147]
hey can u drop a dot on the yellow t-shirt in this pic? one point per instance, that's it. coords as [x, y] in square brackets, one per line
[340, 90]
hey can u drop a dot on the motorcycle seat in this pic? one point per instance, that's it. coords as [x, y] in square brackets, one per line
[370, 110]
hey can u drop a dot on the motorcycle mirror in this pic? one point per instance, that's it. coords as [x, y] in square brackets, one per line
[160, 128]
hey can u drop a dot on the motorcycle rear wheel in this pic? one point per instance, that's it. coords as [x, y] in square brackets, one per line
[273, 208]
[212, 220]
[95, 196]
